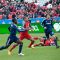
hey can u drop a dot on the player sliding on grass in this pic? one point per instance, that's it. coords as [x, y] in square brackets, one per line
[47, 24]
[13, 38]
[43, 41]
[25, 34]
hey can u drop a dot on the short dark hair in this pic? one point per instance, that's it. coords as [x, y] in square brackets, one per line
[13, 16]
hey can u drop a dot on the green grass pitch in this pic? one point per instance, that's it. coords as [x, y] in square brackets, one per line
[38, 53]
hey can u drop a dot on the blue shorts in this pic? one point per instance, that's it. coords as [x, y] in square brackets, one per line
[11, 39]
[47, 33]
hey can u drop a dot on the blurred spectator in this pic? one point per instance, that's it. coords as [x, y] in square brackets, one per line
[21, 9]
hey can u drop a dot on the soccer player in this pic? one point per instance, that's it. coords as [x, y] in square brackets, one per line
[47, 24]
[13, 38]
[43, 41]
[25, 34]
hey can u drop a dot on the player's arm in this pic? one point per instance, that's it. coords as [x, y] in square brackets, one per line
[27, 28]
[30, 27]
[9, 28]
[43, 24]
[19, 30]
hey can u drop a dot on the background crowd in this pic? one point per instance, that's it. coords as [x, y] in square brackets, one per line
[21, 9]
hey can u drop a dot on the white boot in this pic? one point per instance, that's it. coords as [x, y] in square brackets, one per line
[21, 54]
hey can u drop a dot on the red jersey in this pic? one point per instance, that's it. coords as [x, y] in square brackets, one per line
[47, 42]
[25, 34]
[26, 25]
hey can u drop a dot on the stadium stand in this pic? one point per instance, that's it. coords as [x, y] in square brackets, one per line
[32, 10]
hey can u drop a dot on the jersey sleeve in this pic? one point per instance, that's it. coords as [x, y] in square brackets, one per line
[9, 28]
[43, 24]
[19, 30]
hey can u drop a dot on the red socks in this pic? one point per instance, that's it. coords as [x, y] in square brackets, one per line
[13, 47]
[35, 38]
[32, 42]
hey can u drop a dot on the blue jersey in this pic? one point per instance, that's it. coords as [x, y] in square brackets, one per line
[48, 24]
[13, 29]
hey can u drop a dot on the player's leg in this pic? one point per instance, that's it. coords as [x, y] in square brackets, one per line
[31, 43]
[4, 47]
[47, 35]
[12, 47]
[8, 43]
[37, 44]
[31, 39]
[20, 47]
[41, 42]
[55, 39]
[36, 38]
[18, 42]
[21, 37]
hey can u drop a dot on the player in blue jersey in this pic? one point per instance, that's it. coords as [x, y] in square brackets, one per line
[48, 26]
[13, 38]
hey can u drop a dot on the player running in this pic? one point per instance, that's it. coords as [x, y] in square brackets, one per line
[25, 34]
[13, 38]
[47, 24]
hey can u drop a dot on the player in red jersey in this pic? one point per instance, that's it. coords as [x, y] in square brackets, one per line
[25, 34]
[43, 41]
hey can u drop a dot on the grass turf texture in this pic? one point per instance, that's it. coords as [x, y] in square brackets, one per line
[38, 53]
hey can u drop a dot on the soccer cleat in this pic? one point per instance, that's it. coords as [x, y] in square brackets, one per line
[32, 46]
[9, 53]
[21, 54]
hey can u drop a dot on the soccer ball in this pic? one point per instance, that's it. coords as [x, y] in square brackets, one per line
[49, 6]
